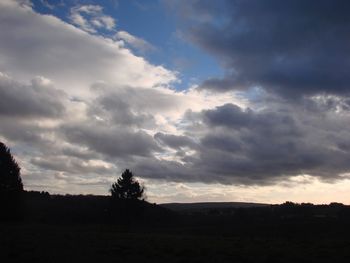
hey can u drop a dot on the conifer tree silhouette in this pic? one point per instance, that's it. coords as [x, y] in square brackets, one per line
[10, 179]
[127, 188]
[11, 187]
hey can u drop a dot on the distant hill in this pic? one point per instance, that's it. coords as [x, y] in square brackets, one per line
[202, 206]
[43, 207]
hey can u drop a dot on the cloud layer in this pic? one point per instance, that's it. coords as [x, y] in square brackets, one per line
[293, 48]
[78, 114]
[90, 18]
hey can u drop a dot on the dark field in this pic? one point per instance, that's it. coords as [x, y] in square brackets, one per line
[83, 229]
[96, 243]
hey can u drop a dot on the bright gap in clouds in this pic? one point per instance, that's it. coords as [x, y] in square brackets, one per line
[81, 102]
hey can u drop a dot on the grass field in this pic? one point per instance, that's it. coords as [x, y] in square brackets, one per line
[109, 243]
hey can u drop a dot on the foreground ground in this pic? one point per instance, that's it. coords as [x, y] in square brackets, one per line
[98, 229]
[34, 242]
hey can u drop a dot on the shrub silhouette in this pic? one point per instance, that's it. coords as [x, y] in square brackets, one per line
[127, 199]
[10, 179]
[127, 188]
[11, 187]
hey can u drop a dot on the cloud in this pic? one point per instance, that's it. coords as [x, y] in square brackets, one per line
[294, 48]
[98, 109]
[112, 141]
[71, 165]
[112, 102]
[133, 105]
[175, 141]
[255, 147]
[24, 3]
[80, 81]
[273, 143]
[135, 42]
[90, 18]
[21, 131]
[39, 99]
[47, 4]
[71, 58]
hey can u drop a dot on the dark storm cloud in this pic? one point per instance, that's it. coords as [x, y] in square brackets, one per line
[268, 123]
[117, 108]
[228, 115]
[174, 141]
[112, 141]
[77, 152]
[35, 100]
[69, 165]
[20, 130]
[260, 146]
[298, 51]
[122, 113]
[292, 47]
[245, 146]
[165, 170]
[223, 142]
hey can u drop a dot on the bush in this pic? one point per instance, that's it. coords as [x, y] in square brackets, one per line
[11, 186]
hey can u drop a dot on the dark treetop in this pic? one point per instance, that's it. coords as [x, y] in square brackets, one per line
[127, 187]
[10, 179]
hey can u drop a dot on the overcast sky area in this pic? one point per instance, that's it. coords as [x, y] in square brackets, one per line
[203, 100]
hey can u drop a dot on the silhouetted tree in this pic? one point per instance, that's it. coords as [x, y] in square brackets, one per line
[126, 206]
[10, 179]
[11, 186]
[127, 188]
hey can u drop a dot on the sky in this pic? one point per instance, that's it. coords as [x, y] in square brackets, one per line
[226, 100]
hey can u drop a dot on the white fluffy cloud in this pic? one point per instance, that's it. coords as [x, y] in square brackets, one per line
[34, 44]
[90, 18]
[94, 107]
[135, 42]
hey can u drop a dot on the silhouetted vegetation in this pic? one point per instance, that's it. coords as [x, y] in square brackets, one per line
[127, 187]
[125, 227]
[127, 199]
[11, 186]
[79, 227]
[10, 179]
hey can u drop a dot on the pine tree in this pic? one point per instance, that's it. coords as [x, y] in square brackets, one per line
[10, 179]
[127, 188]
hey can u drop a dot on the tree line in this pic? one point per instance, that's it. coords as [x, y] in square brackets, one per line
[126, 188]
